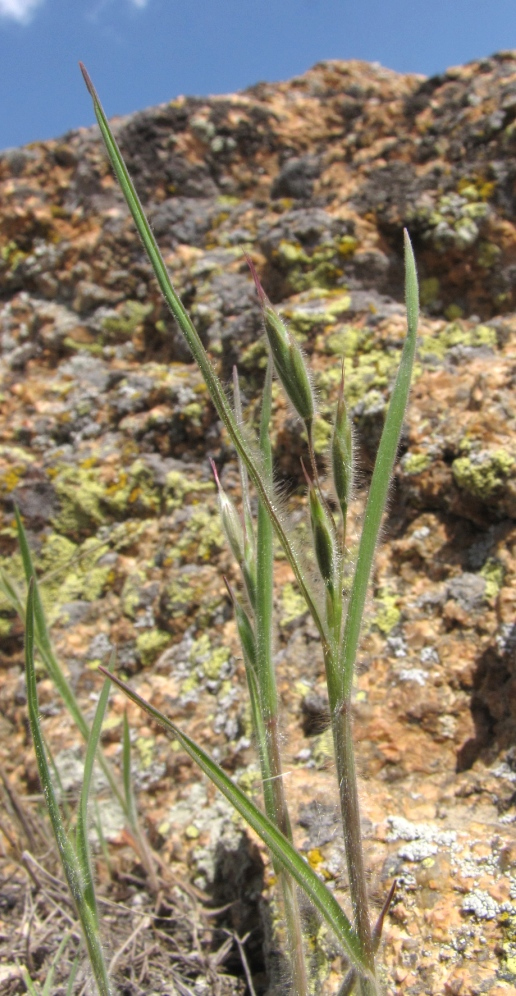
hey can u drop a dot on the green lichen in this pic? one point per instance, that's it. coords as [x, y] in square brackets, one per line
[5, 627]
[10, 477]
[291, 253]
[321, 435]
[193, 413]
[347, 245]
[293, 605]
[122, 325]
[415, 463]
[12, 255]
[189, 684]
[134, 488]
[228, 200]
[368, 369]
[151, 644]
[483, 474]
[454, 334]
[80, 495]
[453, 312]
[322, 749]
[348, 341]
[71, 572]
[178, 488]
[493, 572]
[320, 267]
[145, 747]
[86, 501]
[304, 318]
[250, 781]
[131, 592]
[387, 614]
[508, 923]
[302, 322]
[179, 596]
[488, 254]
[254, 357]
[455, 220]
[202, 536]
[476, 188]
[207, 659]
[76, 346]
[213, 666]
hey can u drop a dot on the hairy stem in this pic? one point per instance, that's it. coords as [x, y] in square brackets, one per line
[275, 794]
[348, 792]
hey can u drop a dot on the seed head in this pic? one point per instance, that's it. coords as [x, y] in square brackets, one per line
[245, 629]
[231, 523]
[287, 355]
[323, 536]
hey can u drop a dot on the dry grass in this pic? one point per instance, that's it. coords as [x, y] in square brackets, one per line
[171, 943]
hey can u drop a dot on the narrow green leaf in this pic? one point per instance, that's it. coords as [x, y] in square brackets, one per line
[28, 567]
[41, 634]
[44, 646]
[102, 840]
[281, 848]
[126, 768]
[199, 353]
[265, 571]
[31, 988]
[67, 854]
[244, 479]
[82, 842]
[71, 980]
[12, 596]
[380, 483]
[47, 988]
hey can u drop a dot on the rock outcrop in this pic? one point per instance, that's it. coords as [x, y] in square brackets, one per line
[106, 429]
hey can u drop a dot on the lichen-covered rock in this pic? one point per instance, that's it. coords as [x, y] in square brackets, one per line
[105, 433]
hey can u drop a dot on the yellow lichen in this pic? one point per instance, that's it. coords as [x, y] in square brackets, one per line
[150, 645]
[293, 605]
[483, 474]
[387, 614]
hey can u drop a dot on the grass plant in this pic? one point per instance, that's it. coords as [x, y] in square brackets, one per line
[321, 587]
[320, 578]
[74, 850]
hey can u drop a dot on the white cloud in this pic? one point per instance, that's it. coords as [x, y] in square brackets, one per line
[136, 3]
[18, 10]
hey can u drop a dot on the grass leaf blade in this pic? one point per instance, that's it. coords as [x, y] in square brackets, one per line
[126, 767]
[199, 353]
[66, 851]
[67, 854]
[382, 475]
[82, 843]
[280, 847]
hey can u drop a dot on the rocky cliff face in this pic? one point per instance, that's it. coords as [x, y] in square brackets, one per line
[106, 430]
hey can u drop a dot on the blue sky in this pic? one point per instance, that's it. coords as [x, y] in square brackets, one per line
[143, 52]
